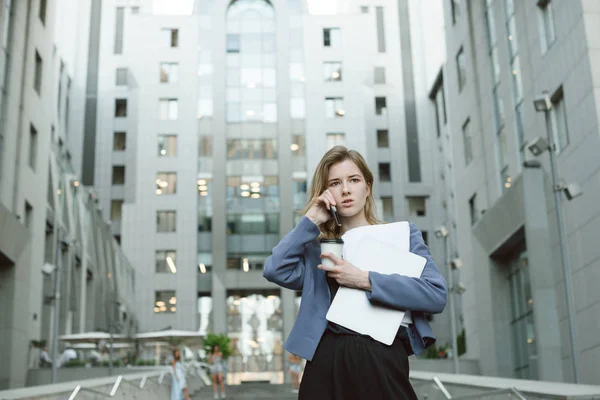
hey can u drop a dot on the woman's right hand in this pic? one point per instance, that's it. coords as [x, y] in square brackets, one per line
[319, 211]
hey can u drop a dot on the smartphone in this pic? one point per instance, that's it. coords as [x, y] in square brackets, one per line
[333, 210]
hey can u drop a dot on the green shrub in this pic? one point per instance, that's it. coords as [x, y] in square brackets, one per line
[222, 340]
[74, 364]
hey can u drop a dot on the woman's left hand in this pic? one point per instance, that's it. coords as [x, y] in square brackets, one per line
[346, 273]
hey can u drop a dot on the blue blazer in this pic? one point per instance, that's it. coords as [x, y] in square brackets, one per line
[293, 265]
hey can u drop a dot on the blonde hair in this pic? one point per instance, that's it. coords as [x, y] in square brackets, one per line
[320, 183]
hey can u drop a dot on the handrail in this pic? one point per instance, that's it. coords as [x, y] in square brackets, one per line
[115, 386]
[480, 395]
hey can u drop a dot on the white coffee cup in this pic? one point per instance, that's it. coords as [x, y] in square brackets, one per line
[333, 246]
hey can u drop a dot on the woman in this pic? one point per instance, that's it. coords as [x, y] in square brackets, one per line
[217, 367]
[295, 371]
[342, 364]
[179, 390]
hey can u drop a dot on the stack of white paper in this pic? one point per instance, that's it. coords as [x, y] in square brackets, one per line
[383, 249]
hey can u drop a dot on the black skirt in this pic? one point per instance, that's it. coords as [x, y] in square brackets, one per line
[356, 367]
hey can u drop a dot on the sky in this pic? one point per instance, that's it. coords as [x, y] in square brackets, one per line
[184, 7]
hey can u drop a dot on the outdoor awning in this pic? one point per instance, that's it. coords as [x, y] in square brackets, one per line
[89, 337]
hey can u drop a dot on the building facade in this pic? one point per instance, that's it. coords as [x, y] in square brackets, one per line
[501, 56]
[209, 127]
[49, 223]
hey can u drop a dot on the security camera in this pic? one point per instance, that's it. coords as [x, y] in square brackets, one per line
[48, 268]
[538, 145]
[572, 190]
[456, 263]
[441, 232]
[459, 288]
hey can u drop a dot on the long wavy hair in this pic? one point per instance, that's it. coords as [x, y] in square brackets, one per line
[338, 154]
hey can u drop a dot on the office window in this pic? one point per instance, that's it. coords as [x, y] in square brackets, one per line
[205, 108]
[166, 183]
[119, 28]
[379, 75]
[473, 209]
[120, 108]
[205, 146]
[438, 97]
[166, 261]
[252, 149]
[37, 82]
[204, 262]
[297, 108]
[253, 224]
[467, 142]
[165, 301]
[169, 72]
[334, 107]
[28, 220]
[167, 145]
[388, 209]
[558, 114]
[380, 30]
[121, 77]
[332, 37]
[116, 207]
[335, 139]
[455, 9]
[169, 37]
[233, 43]
[33, 144]
[461, 68]
[332, 71]
[42, 11]
[166, 221]
[135, 10]
[416, 206]
[546, 22]
[385, 172]
[119, 141]
[168, 109]
[383, 140]
[425, 240]
[380, 106]
[118, 175]
[364, 9]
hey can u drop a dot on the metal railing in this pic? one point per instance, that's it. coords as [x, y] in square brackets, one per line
[116, 386]
[480, 395]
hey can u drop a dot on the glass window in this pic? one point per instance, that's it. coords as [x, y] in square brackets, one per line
[169, 72]
[205, 69]
[298, 145]
[297, 108]
[115, 209]
[467, 142]
[28, 218]
[234, 112]
[546, 22]
[205, 146]
[252, 187]
[455, 7]
[334, 107]
[332, 37]
[42, 11]
[473, 209]
[118, 175]
[517, 79]
[380, 29]
[559, 121]
[120, 107]
[251, 77]
[461, 67]
[417, 206]
[166, 183]
[252, 224]
[233, 43]
[380, 106]
[511, 27]
[119, 26]
[33, 145]
[204, 262]
[167, 145]
[383, 139]
[251, 149]
[269, 77]
[332, 71]
[37, 83]
[166, 261]
[169, 37]
[498, 109]
[388, 208]
[385, 172]
[205, 108]
[168, 109]
[121, 77]
[297, 72]
[166, 221]
[269, 112]
[379, 75]
[335, 139]
[119, 141]
[165, 302]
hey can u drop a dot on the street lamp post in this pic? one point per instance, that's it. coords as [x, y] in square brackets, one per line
[544, 104]
[442, 233]
[110, 332]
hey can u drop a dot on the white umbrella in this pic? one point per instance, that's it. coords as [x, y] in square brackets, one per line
[89, 337]
[169, 333]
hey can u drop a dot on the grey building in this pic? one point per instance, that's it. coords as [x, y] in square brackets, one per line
[208, 129]
[501, 55]
[49, 222]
